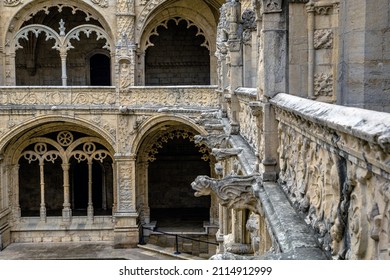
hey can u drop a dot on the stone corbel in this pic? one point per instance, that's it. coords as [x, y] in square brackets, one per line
[212, 140]
[234, 191]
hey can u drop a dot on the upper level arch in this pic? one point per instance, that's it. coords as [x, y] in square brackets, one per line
[48, 43]
[158, 123]
[186, 44]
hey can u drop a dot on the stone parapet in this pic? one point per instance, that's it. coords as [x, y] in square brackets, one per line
[334, 169]
[107, 97]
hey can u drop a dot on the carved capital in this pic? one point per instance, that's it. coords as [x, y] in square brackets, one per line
[233, 191]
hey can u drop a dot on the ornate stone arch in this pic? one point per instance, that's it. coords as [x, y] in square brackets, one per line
[59, 143]
[156, 122]
[152, 136]
[26, 11]
[26, 129]
[158, 15]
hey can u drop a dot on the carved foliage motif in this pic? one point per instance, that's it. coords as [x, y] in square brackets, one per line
[170, 97]
[272, 6]
[249, 24]
[12, 3]
[149, 6]
[345, 203]
[101, 3]
[250, 125]
[125, 187]
[36, 97]
[323, 84]
[164, 137]
[323, 39]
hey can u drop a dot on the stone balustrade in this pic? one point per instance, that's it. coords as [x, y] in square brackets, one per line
[335, 169]
[151, 97]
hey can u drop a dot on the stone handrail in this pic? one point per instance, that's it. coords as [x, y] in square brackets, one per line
[335, 169]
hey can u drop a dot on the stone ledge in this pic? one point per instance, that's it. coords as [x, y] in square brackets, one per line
[361, 123]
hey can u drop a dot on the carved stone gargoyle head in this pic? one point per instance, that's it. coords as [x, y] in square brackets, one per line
[233, 191]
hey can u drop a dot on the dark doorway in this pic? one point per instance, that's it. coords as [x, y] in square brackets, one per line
[171, 198]
[100, 73]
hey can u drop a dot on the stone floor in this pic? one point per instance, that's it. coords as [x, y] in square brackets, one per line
[77, 251]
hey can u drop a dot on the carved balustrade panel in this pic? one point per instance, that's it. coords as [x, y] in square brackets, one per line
[189, 97]
[250, 121]
[56, 96]
[334, 169]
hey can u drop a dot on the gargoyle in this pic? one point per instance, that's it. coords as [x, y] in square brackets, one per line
[233, 191]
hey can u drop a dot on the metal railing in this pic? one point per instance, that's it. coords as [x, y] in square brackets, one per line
[177, 236]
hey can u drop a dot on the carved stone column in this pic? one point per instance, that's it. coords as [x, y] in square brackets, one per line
[66, 211]
[90, 203]
[42, 211]
[126, 232]
[15, 186]
[125, 61]
[311, 55]
[235, 65]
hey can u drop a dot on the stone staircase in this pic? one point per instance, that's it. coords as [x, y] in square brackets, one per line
[194, 241]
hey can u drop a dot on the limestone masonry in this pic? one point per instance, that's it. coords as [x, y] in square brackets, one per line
[260, 127]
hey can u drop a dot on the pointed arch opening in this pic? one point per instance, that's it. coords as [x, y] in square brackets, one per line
[52, 46]
[177, 54]
[168, 162]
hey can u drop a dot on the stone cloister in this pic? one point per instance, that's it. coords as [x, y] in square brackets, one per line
[258, 125]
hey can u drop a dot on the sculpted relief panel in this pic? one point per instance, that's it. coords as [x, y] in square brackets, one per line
[347, 205]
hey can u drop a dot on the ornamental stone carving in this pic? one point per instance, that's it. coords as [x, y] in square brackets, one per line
[101, 3]
[323, 84]
[248, 24]
[233, 191]
[212, 140]
[253, 227]
[221, 154]
[272, 6]
[323, 39]
[12, 3]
